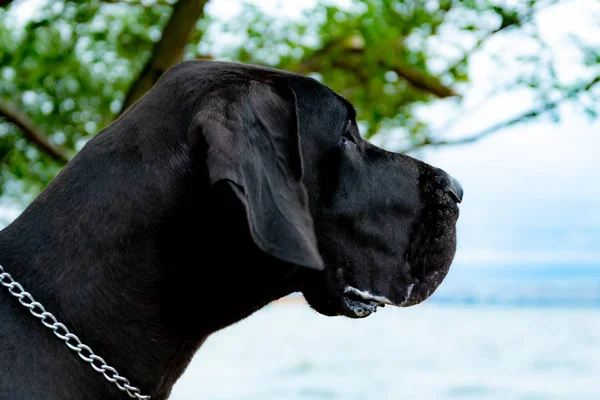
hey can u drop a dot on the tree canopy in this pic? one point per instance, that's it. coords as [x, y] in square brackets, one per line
[71, 67]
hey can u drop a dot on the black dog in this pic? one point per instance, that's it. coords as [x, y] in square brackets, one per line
[226, 187]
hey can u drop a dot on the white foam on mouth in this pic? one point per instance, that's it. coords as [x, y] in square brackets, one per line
[368, 296]
[408, 293]
[365, 295]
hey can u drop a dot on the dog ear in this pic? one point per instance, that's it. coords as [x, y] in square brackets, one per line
[252, 142]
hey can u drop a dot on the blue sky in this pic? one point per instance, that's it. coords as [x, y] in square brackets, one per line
[532, 192]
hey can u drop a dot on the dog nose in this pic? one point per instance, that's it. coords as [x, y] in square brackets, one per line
[455, 189]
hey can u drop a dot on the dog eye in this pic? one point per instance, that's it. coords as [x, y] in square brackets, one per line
[348, 138]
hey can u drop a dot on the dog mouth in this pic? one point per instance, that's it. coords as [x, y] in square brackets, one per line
[358, 303]
[344, 298]
[401, 281]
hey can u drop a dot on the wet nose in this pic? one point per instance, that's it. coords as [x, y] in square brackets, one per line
[455, 189]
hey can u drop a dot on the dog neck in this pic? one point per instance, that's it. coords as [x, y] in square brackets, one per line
[143, 299]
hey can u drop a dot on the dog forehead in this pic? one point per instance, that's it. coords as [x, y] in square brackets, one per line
[307, 89]
[311, 94]
[321, 111]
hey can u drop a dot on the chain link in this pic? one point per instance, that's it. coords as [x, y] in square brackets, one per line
[72, 341]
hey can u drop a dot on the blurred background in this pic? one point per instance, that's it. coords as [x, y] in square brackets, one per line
[501, 94]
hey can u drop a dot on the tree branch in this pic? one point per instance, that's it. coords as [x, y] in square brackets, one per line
[134, 3]
[169, 50]
[527, 116]
[506, 24]
[425, 82]
[486, 132]
[33, 133]
[416, 78]
[4, 3]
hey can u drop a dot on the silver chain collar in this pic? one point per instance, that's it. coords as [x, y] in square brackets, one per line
[71, 340]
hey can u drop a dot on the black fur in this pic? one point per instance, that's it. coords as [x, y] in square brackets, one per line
[224, 188]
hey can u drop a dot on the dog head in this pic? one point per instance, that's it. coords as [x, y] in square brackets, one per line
[368, 226]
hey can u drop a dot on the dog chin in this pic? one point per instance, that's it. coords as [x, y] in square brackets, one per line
[344, 299]
[357, 303]
[360, 304]
[353, 303]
